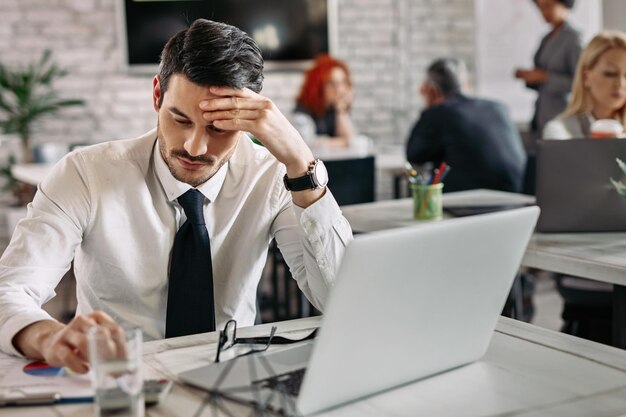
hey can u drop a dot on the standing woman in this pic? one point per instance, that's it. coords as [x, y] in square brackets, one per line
[555, 64]
[599, 90]
[324, 103]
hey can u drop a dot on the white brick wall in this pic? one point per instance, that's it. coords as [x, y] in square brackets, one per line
[387, 43]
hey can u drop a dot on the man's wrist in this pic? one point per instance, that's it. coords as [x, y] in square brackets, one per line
[315, 178]
[299, 166]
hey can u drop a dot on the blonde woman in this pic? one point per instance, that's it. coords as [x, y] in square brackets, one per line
[599, 89]
[598, 92]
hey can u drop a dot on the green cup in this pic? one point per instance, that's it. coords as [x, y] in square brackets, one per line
[427, 201]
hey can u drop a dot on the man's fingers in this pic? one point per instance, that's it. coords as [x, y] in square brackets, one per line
[231, 114]
[111, 332]
[78, 341]
[231, 91]
[110, 335]
[231, 103]
[73, 361]
[66, 356]
[235, 124]
[101, 317]
[119, 341]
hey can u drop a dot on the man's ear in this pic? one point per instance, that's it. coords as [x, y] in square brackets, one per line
[431, 94]
[438, 98]
[156, 93]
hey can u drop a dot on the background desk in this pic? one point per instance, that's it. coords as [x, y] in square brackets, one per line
[389, 167]
[596, 256]
[389, 214]
[526, 372]
[32, 173]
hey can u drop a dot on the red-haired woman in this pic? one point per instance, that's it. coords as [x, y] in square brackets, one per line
[323, 105]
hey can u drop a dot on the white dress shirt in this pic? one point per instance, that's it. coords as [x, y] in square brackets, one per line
[569, 127]
[112, 209]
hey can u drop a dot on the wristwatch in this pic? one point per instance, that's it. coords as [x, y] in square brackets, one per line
[316, 177]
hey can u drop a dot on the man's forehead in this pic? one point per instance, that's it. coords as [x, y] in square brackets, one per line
[179, 83]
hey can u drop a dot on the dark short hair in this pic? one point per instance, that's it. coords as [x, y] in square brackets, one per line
[447, 75]
[567, 3]
[211, 53]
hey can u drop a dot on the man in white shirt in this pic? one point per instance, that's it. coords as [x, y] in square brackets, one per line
[112, 208]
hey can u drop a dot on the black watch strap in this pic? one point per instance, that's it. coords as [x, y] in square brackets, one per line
[299, 184]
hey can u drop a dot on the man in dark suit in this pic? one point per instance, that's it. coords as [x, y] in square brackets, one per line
[475, 137]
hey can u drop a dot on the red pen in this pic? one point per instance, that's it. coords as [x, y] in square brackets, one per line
[442, 168]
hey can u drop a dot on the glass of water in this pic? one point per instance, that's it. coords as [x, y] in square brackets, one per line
[116, 368]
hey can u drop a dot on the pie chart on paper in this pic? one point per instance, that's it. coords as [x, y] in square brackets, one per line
[43, 369]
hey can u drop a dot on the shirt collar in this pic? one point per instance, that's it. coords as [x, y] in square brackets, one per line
[174, 188]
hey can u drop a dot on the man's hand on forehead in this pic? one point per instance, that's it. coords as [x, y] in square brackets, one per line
[233, 109]
[245, 110]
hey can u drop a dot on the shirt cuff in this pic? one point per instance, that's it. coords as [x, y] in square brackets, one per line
[321, 216]
[16, 323]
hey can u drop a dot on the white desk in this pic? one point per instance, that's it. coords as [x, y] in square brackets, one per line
[32, 173]
[389, 161]
[527, 372]
[388, 214]
[597, 256]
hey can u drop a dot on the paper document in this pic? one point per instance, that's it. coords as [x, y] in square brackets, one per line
[26, 377]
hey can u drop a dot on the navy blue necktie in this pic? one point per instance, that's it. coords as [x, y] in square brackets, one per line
[190, 304]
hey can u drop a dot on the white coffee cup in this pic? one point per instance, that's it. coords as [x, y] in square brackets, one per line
[606, 129]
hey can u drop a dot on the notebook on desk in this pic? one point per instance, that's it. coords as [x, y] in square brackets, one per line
[574, 189]
[462, 211]
[408, 303]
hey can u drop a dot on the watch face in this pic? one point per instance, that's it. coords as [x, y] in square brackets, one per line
[321, 174]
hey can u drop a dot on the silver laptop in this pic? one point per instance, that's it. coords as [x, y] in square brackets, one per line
[408, 303]
[574, 189]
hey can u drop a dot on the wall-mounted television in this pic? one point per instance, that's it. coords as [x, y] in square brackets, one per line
[289, 32]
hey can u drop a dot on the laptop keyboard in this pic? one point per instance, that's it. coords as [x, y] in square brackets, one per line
[288, 383]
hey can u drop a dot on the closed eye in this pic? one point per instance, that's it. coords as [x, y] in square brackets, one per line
[184, 122]
[215, 129]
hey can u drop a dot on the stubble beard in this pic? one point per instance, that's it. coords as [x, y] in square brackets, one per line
[179, 173]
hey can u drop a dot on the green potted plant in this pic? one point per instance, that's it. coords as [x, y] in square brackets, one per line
[26, 95]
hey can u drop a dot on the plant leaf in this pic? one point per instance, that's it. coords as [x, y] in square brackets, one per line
[621, 164]
[620, 187]
[27, 93]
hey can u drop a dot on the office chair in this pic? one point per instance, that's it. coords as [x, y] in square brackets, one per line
[587, 308]
[530, 176]
[352, 181]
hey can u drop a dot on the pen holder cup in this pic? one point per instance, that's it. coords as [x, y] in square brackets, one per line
[427, 201]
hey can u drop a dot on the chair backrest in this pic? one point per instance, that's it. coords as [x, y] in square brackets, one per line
[352, 180]
[529, 184]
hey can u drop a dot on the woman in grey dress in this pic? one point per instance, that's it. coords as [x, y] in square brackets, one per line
[555, 64]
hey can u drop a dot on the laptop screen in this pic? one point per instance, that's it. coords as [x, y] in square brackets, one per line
[574, 189]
